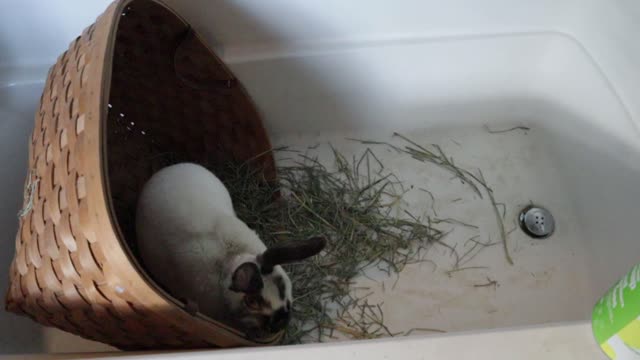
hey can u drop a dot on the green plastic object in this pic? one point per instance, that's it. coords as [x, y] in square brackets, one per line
[616, 318]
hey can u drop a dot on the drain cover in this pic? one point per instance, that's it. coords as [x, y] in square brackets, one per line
[537, 222]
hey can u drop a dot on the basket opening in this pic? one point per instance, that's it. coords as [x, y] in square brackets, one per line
[171, 100]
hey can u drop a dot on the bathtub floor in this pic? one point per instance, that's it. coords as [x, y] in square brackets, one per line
[547, 283]
[58, 341]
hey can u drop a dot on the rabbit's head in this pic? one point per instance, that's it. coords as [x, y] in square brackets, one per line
[260, 292]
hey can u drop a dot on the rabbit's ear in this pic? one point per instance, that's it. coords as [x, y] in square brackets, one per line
[289, 252]
[247, 279]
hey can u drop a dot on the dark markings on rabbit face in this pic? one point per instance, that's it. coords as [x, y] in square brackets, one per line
[247, 279]
[281, 287]
[271, 307]
[279, 320]
[266, 298]
[256, 304]
[265, 316]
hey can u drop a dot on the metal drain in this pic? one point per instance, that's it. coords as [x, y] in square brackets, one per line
[537, 222]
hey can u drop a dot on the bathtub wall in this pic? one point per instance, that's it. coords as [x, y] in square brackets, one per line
[34, 32]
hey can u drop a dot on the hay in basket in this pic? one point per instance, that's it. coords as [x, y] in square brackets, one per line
[136, 85]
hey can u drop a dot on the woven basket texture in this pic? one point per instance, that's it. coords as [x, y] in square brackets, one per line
[138, 90]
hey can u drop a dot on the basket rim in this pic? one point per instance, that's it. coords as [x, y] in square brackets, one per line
[103, 100]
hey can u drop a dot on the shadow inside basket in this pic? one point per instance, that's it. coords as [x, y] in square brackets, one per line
[172, 100]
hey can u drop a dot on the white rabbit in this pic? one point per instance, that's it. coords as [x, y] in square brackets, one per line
[194, 246]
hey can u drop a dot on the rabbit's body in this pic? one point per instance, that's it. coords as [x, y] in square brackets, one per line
[192, 244]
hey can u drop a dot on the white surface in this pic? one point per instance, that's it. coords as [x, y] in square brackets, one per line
[17, 106]
[34, 32]
[563, 342]
[567, 68]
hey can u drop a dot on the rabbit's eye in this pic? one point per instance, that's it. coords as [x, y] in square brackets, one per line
[252, 302]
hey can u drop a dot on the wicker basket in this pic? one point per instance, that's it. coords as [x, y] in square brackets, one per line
[135, 92]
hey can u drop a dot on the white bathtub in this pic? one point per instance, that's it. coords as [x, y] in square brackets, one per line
[323, 72]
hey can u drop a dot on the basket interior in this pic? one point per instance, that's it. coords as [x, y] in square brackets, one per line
[171, 100]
